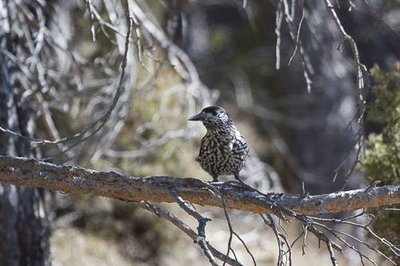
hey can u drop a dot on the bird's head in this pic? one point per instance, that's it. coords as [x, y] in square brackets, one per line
[213, 117]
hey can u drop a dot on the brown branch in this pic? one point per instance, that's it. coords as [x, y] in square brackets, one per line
[69, 179]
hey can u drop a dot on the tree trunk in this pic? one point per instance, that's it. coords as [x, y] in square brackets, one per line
[24, 225]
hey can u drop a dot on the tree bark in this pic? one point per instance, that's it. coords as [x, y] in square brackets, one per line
[24, 227]
[69, 179]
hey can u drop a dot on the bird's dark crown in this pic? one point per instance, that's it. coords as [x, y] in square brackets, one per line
[213, 110]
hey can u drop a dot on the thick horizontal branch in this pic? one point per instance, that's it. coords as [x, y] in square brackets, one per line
[69, 179]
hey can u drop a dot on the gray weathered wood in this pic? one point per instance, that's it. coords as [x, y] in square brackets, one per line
[69, 179]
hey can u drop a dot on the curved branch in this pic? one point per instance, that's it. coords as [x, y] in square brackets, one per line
[69, 179]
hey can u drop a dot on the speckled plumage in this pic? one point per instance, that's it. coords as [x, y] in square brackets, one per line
[223, 149]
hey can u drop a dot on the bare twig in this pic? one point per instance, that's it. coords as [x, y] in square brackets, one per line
[331, 253]
[181, 61]
[284, 256]
[101, 121]
[230, 227]
[278, 25]
[186, 229]
[353, 45]
[201, 229]
[228, 220]
[297, 35]
[361, 76]
[288, 12]
[95, 126]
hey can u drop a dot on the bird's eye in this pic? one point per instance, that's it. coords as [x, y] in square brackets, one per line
[214, 113]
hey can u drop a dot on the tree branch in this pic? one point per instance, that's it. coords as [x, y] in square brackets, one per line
[69, 179]
[200, 240]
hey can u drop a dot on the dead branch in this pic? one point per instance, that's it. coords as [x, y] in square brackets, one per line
[69, 179]
[196, 237]
[201, 240]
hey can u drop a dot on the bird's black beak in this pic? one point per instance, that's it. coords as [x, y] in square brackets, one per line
[198, 117]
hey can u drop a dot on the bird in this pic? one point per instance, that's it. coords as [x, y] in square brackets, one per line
[223, 149]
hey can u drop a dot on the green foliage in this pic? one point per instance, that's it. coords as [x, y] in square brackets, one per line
[382, 159]
[381, 162]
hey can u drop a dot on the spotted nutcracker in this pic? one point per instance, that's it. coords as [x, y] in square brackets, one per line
[223, 149]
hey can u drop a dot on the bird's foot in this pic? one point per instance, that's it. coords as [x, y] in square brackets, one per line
[216, 182]
[238, 179]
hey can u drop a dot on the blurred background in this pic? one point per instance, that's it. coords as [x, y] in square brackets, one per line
[185, 55]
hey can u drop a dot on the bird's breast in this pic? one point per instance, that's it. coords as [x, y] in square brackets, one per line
[223, 151]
